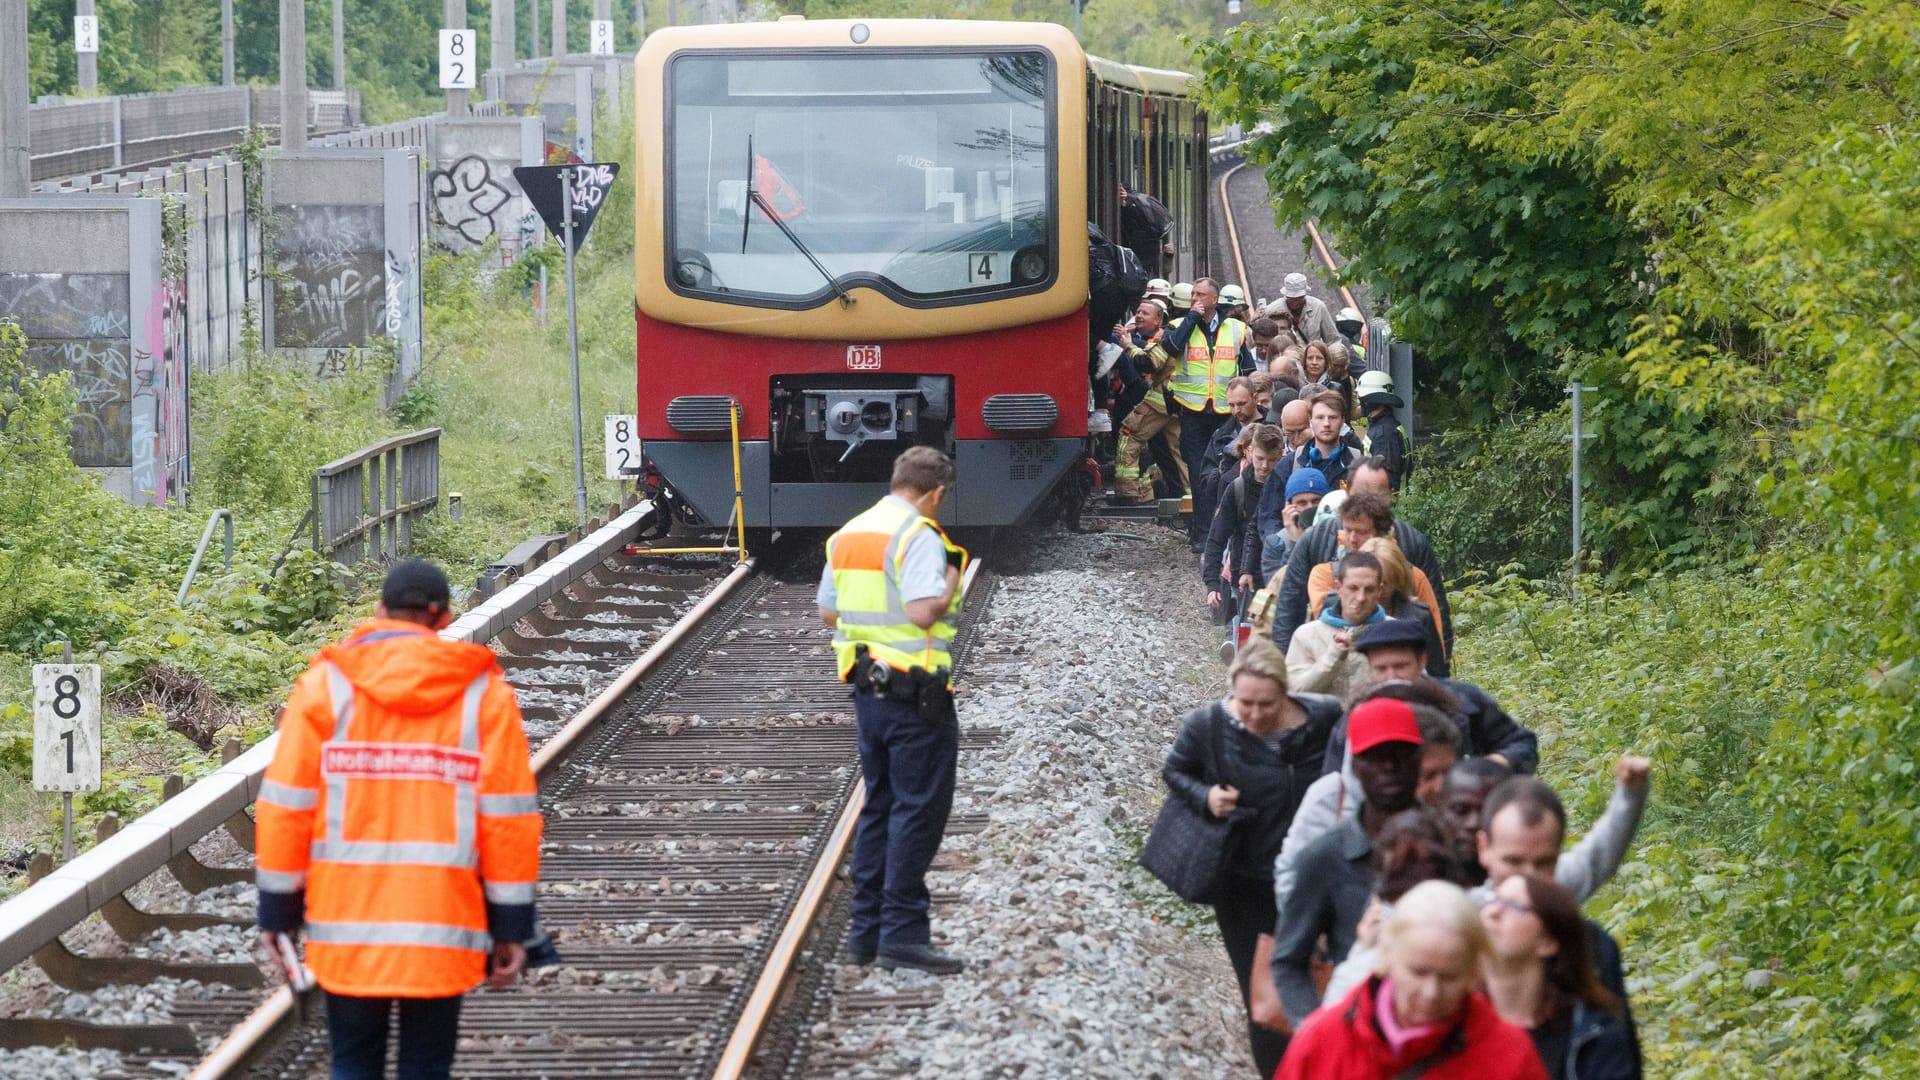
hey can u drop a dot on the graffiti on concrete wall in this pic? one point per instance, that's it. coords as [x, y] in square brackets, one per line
[469, 204]
[475, 201]
[158, 426]
[77, 323]
[330, 290]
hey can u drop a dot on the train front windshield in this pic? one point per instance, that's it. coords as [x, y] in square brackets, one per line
[926, 174]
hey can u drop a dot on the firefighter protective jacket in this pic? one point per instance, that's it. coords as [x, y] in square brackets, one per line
[399, 818]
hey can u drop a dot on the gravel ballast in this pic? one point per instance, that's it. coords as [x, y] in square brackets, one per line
[1080, 965]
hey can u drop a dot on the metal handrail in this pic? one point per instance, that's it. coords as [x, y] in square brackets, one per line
[360, 457]
[363, 498]
[206, 537]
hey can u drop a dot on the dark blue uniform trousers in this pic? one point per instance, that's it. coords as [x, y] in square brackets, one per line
[908, 764]
[357, 1036]
[1196, 430]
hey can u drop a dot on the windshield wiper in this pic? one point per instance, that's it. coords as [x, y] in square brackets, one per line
[754, 198]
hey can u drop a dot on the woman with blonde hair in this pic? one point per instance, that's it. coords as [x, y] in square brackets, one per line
[1404, 600]
[1250, 759]
[1421, 1014]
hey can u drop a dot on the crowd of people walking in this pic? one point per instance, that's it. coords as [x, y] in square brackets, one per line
[1386, 873]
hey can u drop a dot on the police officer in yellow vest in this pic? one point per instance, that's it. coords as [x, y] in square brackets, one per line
[890, 591]
[1212, 350]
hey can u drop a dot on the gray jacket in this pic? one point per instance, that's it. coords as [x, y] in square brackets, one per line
[1583, 868]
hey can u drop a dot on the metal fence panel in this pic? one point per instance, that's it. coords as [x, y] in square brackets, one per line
[366, 504]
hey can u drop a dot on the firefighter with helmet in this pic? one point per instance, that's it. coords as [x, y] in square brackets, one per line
[1386, 439]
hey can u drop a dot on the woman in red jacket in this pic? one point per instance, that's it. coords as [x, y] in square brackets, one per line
[1420, 1015]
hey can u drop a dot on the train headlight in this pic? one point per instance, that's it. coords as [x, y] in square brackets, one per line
[1029, 266]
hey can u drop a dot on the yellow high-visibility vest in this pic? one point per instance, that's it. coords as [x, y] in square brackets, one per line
[1200, 383]
[866, 556]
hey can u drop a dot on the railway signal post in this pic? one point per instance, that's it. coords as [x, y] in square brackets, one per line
[568, 198]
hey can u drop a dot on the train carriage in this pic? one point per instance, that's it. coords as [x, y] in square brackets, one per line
[868, 235]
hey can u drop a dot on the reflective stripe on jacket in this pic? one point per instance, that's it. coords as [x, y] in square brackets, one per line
[1200, 382]
[399, 817]
[866, 556]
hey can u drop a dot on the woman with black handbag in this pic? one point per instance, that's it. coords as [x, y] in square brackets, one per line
[1235, 776]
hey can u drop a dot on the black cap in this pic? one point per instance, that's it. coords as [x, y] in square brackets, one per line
[1390, 632]
[416, 585]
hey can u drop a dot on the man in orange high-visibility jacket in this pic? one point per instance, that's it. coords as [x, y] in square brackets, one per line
[400, 823]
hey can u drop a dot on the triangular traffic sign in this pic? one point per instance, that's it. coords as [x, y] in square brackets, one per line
[590, 183]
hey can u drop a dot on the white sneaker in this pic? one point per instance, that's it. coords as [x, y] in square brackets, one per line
[1099, 423]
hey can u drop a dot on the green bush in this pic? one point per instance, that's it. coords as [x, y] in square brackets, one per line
[1493, 497]
[1767, 910]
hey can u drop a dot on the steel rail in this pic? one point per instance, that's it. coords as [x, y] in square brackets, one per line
[759, 1009]
[1233, 234]
[263, 1024]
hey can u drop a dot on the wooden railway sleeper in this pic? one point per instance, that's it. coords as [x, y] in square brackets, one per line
[20, 1033]
[77, 972]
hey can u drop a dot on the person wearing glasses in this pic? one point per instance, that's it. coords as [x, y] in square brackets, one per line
[1541, 979]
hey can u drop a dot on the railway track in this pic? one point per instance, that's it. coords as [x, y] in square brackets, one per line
[139, 952]
[692, 837]
[698, 799]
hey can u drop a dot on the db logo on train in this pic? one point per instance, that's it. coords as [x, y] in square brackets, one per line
[863, 358]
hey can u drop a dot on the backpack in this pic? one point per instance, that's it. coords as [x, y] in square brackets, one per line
[1153, 213]
[1115, 283]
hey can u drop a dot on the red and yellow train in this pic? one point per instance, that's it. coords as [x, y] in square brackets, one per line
[869, 235]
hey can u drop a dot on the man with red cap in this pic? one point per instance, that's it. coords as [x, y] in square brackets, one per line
[1332, 884]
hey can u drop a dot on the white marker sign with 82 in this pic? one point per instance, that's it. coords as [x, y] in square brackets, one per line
[66, 727]
[457, 71]
[623, 447]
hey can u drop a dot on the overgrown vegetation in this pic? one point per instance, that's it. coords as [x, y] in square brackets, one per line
[78, 565]
[1706, 209]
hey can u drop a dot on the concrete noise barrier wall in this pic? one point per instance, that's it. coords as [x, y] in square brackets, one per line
[83, 275]
[347, 228]
[472, 198]
[85, 137]
[562, 95]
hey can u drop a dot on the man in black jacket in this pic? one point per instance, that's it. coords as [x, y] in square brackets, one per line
[1333, 875]
[1146, 227]
[1321, 544]
[1396, 651]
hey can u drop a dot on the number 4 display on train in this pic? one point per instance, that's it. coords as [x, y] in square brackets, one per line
[589, 183]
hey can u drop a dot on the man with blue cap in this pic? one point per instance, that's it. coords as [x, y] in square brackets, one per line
[1305, 488]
